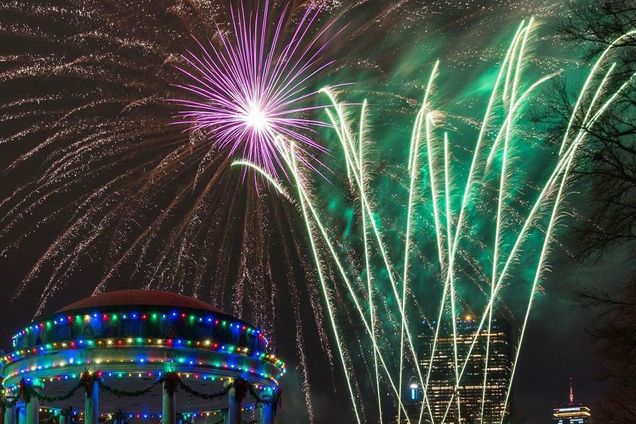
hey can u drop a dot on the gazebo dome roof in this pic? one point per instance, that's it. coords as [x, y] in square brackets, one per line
[135, 337]
[138, 297]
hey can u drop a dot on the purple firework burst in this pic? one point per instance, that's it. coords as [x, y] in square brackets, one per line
[253, 87]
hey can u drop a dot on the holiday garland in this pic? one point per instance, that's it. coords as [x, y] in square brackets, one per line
[129, 393]
[27, 391]
[66, 396]
[205, 396]
[256, 396]
[275, 401]
[171, 381]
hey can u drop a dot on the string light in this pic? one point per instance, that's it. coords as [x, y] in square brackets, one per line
[144, 415]
[225, 331]
[132, 343]
[145, 316]
[78, 362]
[139, 341]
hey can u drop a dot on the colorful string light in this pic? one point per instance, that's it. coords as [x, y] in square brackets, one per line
[140, 342]
[218, 365]
[145, 316]
[122, 343]
[144, 415]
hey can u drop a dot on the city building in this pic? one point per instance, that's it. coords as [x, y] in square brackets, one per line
[464, 403]
[572, 413]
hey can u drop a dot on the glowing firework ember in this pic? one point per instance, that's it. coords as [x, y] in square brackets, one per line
[254, 86]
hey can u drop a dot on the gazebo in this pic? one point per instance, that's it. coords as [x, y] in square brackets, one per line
[134, 355]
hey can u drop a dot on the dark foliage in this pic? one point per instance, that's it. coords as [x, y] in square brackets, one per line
[608, 170]
[607, 176]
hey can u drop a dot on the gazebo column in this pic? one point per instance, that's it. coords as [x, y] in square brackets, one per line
[169, 399]
[3, 407]
[65, 416]
[237, 392]
[119, 418]
[32, 410]
[266, 408]
[233, 415]
[9, 412]
[21, 412]
[91, 402]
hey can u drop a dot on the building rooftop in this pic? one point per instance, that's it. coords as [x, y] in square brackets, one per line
[137, 297]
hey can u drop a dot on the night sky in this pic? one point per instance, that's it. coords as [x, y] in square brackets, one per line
[135, 82]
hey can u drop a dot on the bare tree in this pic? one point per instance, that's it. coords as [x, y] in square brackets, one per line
[607, 173]
[615, 339]
[609, 160]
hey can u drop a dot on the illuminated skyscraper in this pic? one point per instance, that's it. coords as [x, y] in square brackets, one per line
[572, 413]
[463, 403]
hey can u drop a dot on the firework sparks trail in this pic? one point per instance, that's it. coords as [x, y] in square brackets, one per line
[312, 219]
[367, 264]
[500, 204]
[254, 87]
[341, 126]
[492, 157]
[414, 154]
[558, 179]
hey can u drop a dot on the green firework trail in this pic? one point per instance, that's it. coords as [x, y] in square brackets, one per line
[462, 225]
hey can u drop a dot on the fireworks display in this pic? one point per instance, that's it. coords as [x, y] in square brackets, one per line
[521, 208]
[374, 210]
[252, 89]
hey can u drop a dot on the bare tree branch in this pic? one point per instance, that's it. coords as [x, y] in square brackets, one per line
[606, 173]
